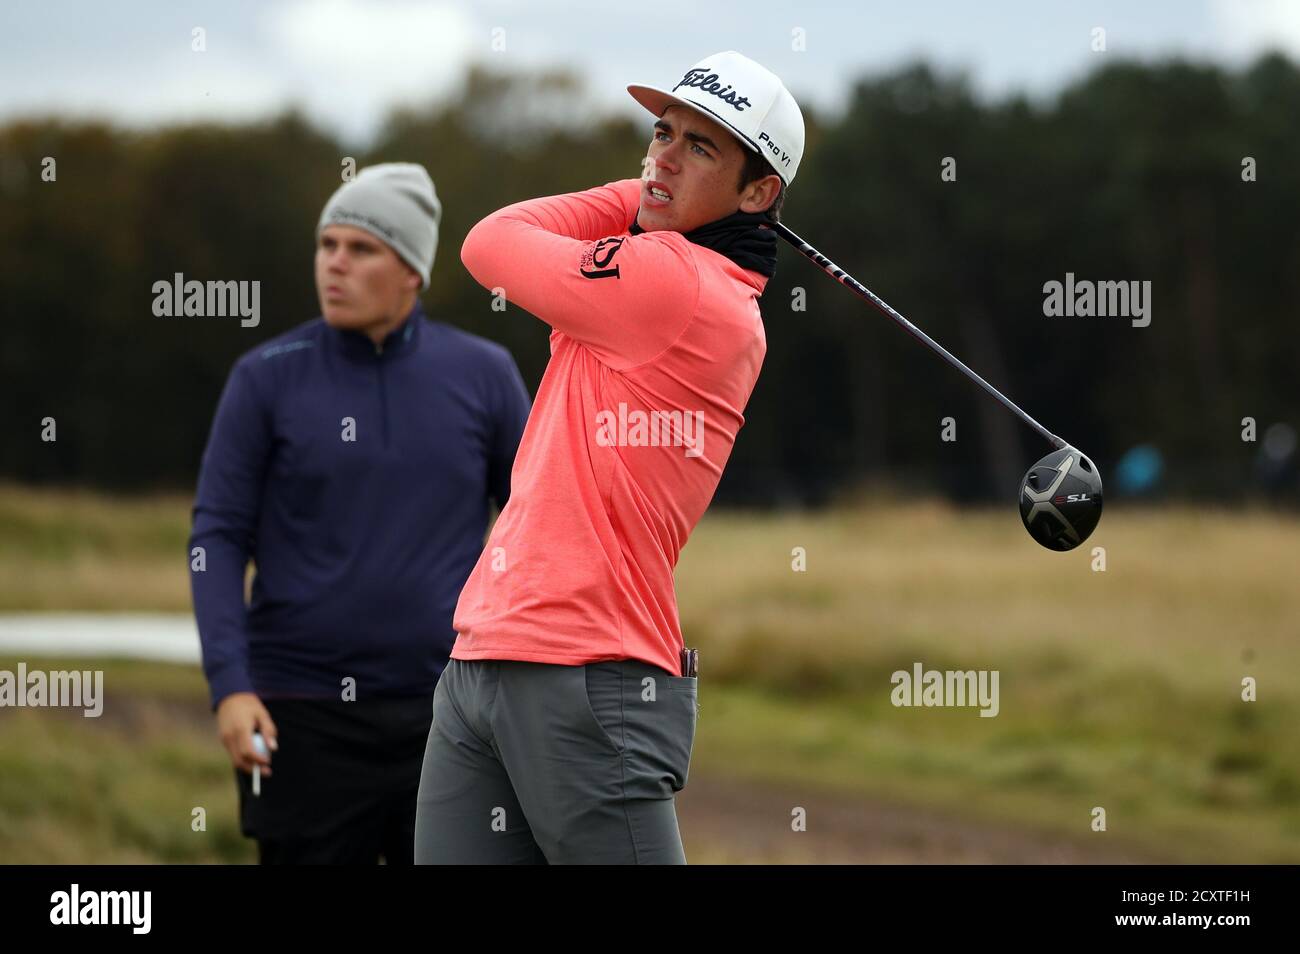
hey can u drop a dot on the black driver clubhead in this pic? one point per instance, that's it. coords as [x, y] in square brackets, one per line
[1060, 499]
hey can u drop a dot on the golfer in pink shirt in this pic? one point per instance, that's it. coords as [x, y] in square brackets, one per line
[563, 724]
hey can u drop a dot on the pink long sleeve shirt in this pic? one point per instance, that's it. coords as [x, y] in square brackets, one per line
[656, 345]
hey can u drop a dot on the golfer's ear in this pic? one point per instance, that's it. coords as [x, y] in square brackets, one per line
[760, 194]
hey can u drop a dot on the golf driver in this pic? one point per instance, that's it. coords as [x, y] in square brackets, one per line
[1060, 496]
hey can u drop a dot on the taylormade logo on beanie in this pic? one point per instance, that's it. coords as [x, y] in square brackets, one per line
[744, 96]
[395, 202]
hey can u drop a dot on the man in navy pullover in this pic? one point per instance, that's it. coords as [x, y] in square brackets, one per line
[353, 460]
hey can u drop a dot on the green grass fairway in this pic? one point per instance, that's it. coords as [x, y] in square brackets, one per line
[1119, 689]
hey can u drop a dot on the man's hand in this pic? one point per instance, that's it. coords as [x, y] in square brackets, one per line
[239, 715]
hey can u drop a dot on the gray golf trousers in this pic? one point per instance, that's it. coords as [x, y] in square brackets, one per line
[533, 763]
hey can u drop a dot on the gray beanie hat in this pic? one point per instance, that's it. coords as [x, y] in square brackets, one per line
[396, 203]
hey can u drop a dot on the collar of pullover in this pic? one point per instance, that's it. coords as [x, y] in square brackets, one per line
[400, 340]
[739, 236]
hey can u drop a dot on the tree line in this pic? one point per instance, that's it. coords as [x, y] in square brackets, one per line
[971, 217]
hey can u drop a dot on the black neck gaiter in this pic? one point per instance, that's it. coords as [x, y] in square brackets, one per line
[739, 237]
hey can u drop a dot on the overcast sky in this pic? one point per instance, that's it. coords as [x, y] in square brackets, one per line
[345, 62]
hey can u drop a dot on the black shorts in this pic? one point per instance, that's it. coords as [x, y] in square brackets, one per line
[343, 782]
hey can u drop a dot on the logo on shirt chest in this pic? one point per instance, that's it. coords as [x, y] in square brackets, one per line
[596, 259]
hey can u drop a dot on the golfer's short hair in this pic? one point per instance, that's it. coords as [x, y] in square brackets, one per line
[755, 168]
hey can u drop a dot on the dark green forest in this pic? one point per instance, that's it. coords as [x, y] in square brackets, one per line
[1176, 173]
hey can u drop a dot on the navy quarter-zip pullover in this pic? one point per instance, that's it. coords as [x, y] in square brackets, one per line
[357, 479]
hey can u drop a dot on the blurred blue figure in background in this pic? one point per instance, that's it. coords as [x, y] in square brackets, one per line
[1277, 468]
[1139, 471]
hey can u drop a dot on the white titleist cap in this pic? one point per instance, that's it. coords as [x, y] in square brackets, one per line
[747, 98]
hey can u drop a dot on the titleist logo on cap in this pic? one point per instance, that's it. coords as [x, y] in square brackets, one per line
[708, 83]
